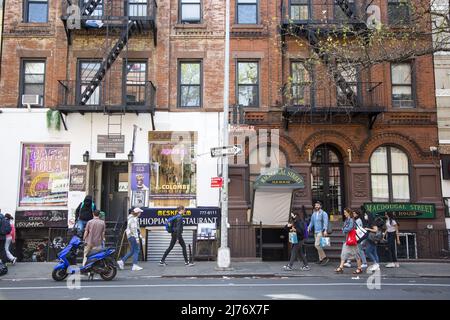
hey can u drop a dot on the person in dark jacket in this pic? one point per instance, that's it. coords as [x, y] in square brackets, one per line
[84, 213]
[177, 235]
[297, 251]
[3, 257]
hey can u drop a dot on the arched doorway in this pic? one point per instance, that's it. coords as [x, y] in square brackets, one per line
[327, 178]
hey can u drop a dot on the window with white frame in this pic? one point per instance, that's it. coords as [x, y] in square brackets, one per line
[402, 95]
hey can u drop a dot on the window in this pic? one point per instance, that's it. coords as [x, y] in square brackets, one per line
[36, 11]
[447, 207]
[190, 84]
[190, 11]
[340, 15]
[402, 85]
[98, 11]
[136, 74]
[137, 8]
[300, 85]
[347, 96]
[299, 10]
[33, 78]
[87, 71]
[248, 84]
[247, 11]
[390, 175]
[398, 12]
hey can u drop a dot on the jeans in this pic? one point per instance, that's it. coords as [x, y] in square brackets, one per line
[297, 252]
[3, 256]
[8, 253]
[81, 225]
[392, 238]
[361, 252]
[371, 251]
[180, 239]
[133, 252]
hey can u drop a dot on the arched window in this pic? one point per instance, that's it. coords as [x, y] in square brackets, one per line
[389, 168]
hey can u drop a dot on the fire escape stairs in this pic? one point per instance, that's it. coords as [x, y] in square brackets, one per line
[89, 7]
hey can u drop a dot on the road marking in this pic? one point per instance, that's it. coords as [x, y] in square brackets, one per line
[84, 299]
[234, 285]
[289, 296]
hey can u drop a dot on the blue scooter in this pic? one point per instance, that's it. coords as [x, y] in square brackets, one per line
[98, 261]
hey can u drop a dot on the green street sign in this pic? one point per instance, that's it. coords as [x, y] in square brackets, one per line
[280, 178]
[403, 210]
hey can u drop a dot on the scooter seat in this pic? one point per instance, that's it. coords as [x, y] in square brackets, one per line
[95, 251]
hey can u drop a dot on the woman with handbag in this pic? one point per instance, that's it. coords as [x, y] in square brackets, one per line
[375, 236]
[296, 230]
[392, 235]
[350, 246]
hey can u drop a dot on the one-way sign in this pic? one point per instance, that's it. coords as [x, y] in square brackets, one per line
[226, 151]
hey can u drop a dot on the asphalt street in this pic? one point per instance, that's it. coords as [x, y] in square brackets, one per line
[249, 288]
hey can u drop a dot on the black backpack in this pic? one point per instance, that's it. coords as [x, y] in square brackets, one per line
[5, 226]
[3, 269]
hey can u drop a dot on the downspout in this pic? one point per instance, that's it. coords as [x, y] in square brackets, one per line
[1, 34]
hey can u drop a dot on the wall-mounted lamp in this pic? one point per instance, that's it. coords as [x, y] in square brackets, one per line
[130, 156]
[86, 156]
[309, 154]
[349, 155]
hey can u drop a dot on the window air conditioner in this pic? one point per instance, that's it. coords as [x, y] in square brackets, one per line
[31, 100]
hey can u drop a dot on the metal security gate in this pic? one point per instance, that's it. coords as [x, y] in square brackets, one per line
[158, 240]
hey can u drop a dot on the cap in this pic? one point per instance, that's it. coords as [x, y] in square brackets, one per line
[138, 210]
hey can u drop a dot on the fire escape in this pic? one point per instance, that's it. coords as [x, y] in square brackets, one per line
[356, 98]
[98, 89]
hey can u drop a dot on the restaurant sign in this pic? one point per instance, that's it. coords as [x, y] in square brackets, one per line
[280, 177]
[403, 210]
[152, 217]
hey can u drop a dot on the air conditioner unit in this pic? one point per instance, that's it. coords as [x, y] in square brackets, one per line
[31, 100]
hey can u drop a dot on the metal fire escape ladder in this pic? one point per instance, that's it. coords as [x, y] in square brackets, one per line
[345, 7]
[90, 7]
[132, 26]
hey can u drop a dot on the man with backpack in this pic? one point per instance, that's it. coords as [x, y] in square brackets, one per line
[319, 223]
[298, 226]
[84, 213]
[5, 229]
[176, 229]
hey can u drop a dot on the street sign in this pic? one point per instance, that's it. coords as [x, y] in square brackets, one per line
[216, 182]
[226, 151]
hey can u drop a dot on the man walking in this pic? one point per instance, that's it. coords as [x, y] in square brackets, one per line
[94, 234]
[177, 235]
[319, 222]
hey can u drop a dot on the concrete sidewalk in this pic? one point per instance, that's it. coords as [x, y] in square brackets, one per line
[42, 271]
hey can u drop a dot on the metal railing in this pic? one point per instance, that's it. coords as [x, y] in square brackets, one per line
[109, 94]
[313, 95]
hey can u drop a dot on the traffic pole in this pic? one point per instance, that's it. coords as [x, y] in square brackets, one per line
[224, 257]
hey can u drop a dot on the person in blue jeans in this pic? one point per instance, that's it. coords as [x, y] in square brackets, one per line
[133, 235]
[371, 247]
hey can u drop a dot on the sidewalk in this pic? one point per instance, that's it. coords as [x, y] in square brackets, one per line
[42, 271]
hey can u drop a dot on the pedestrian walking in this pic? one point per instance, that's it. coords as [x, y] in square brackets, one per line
[133, 236]
[319, 224]
[375, 236]
[362, 221]
[393, 237]
[177, 236]
[349, 251]
[84, 213]
[9, 239]
[94, 235]
[297, 225]
[5, 229]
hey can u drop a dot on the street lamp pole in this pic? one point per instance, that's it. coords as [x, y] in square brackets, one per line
[223, 259]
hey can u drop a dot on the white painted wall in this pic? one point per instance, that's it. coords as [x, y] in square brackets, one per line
[20, 125]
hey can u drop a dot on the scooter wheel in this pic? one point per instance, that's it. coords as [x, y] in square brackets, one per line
[60, 274]
[110, 273]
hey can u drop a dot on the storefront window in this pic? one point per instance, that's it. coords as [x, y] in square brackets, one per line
[390, 175]
[173, 168]
[44, 175]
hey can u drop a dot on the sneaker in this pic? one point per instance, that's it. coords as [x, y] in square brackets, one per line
[347, 265]
[14, 261]
[120, 264]
[364, 265]
[189, 264]
[390, 265]
[288, 268]
[325, 261]
[162, 263]
[306, 268]
[136, 268]
[397, 265]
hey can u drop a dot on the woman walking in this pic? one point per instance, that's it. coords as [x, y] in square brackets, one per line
[10, 238]
[298, 226]
[392, 238]
[133, 238]
[375, 235]
[349, 251]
